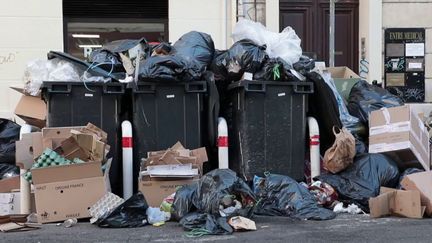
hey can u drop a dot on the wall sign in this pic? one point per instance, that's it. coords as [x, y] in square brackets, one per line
[404, 63]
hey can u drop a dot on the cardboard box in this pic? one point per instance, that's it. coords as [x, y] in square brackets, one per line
[10, 184]
[155, 190]
[344, 79]
[9, 203]
[63, 192]
[400, 133]
[53, 136]
[421, 182]
[396, 202]
[32, 109]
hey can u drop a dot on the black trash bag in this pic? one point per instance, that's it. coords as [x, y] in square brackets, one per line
[107, 60]
[408, 171]
[363, 179]
[167, 68]
[9, 134]
[304, 65]
[206, 224]
[280, 195]
[130, 214]
[360, 145]
[206, 195]
[196, 48]
[218, 66]
[365, 98]
[213, 186]
[8, 170]
[275, 69]
[183, 204]
[187, 61]
[242, 56]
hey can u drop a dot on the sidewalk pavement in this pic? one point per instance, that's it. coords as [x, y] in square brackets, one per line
[345, 228]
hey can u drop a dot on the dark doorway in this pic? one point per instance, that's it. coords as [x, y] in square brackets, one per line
[310, 19]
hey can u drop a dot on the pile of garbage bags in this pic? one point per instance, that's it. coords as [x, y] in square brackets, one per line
[220, 195]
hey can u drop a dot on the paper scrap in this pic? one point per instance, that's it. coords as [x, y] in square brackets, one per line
[242, 223]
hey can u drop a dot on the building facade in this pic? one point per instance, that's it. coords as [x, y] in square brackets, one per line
[32, 28]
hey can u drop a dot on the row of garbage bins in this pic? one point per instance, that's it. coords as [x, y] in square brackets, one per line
[264, 134]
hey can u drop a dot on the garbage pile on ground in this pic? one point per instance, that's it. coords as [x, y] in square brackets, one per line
[372, 151]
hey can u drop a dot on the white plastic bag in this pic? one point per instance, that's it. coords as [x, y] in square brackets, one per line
[38, 71]
[285, 45]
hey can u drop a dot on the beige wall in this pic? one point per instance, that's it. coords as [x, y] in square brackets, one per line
[30, 28]
[370, 28]
[201, 15]
[412, 14]
[208, 16]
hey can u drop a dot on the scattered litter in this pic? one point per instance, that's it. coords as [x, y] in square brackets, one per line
[242, 223]
[156, 216]
[351, 209]
[105, 205]
[70, 222]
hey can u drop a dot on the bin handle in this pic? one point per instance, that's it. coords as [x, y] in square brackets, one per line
[255, 87]
[144, 88]
[306, 88]
[113, 89]
[59, 88]
[195, 87]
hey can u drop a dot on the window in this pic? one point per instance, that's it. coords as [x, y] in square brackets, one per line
[88, 24]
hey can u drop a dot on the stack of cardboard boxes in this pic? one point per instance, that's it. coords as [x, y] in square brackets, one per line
[66, 191]
[400, 133]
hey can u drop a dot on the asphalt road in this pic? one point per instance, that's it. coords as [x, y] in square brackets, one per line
[345, 228]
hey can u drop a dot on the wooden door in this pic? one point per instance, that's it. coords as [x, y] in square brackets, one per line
[310, 19]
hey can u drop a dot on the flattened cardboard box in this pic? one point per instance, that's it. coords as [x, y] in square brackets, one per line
[63, 192]
[399, 132]
[156, 190]
[421, 182]
[32, 109]
[396, 202]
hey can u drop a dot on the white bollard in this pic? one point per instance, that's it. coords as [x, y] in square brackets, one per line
[127, 159]
[314, 143]
[222, 143]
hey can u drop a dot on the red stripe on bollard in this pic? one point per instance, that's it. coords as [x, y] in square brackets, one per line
[222, 141]
[127, 142]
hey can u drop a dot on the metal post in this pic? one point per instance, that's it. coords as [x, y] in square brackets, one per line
[332, 34]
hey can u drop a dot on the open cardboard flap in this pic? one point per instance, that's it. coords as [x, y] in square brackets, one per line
[396, 202]
[32, 109]
[66, 172]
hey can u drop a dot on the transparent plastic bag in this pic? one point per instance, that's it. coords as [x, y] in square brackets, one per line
[35, 73]
[285, 44]
[38, 71]
[63, 71]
